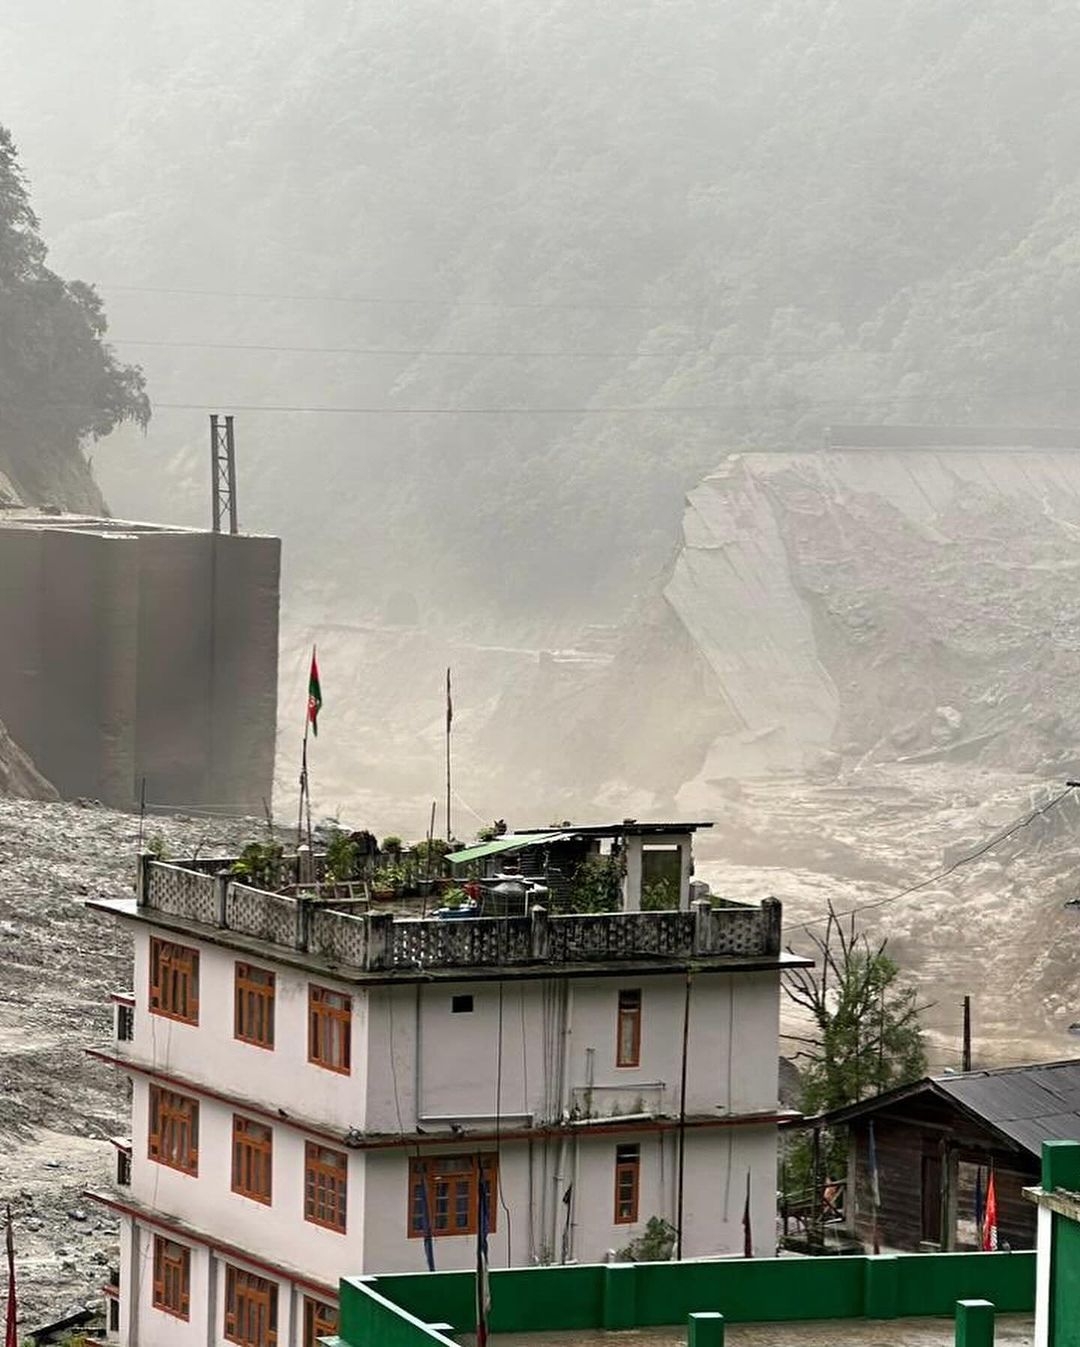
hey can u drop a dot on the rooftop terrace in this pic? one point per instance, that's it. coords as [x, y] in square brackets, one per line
[817, 1300]
[203, 898]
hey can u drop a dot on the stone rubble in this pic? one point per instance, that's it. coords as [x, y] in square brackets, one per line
[59, 963]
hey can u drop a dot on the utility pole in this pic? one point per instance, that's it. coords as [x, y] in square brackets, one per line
[966, 1057]
[223, 473]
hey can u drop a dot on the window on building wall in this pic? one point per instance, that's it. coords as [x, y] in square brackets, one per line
[320, 1321]
[628, 1029]
[444, 1192]
[627, 1183]
[254, 1018]
[114, 1314]
[329, 1029]
[174, 981]
[174, 1130]
[172, 1277]
[252, 1159]
[250, 1309]
[326, 1180]
[125, 1022]
[461, 1005]
[123, 1166]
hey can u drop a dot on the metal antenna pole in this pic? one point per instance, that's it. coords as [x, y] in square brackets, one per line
[230, 450]
[223, 473]
[215, 486]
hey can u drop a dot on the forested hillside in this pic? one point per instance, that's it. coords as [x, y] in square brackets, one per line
[564, 254]
[60, 386]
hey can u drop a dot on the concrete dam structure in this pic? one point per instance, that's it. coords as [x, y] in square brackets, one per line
[140, 653]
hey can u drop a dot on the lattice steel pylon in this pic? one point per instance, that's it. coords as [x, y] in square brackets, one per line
[223, 472]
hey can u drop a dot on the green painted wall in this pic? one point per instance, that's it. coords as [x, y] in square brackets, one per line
[1065, 1283]
[933, 1283]
[367, 1317]
[649, 1294]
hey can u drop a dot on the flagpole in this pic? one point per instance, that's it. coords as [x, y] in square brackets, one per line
[11, 1334]
[483, 1285]
[449, 722]
[312, 706]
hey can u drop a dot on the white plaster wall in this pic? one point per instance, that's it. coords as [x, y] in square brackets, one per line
[387, 1245]
[150, 1327]
[714, 1192]
[731, 1061]
[591, 1166]
[206, 1323]
[278, 1233]
[454, 1058]
[208, 1053]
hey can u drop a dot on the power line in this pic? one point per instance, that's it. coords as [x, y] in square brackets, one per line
[390, 350]
[950, 869]
[403, 301]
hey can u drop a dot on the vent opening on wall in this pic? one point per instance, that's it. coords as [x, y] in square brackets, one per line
[461, 1005]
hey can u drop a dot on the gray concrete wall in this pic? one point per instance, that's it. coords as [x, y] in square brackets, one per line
[141, 654]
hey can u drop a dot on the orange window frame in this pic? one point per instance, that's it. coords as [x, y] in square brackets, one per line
[252, 1159]
[330, 1029]
[627, 1184]
[326, 1186]
[253, 1019]
[173, 1132]
[452, 1184]
[628, 1029]
[250, 1309]
[320, 1321]
[172, 1278]
[174, 981]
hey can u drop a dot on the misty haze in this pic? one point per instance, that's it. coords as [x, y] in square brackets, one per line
[696, 382]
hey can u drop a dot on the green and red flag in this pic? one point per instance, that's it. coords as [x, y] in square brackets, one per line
[314, 695]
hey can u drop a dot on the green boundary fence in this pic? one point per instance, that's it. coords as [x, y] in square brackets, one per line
[417, 1310]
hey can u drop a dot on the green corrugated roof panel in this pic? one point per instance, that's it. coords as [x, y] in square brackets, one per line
[510, 843]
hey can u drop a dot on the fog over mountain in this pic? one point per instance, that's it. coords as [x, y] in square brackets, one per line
[492, 285]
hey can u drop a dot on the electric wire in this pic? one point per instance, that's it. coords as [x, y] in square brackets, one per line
[396, 350]
[994, 841]
[389, 301]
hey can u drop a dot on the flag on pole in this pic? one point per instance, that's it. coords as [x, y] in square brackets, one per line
[11, 1335]
[425, 1219]
[979, 1206]
[449, 704]
[314, 695]
[483, 1286]
[989, 1229]
[875, 1186]
[748, 1238]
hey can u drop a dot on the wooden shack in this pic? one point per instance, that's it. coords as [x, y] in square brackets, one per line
[936, 1143]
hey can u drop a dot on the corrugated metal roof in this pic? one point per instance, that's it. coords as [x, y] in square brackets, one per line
[514, 842]
[1029, 1104]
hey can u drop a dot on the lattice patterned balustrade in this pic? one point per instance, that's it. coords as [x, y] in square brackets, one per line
[267, 916]
[180, 892]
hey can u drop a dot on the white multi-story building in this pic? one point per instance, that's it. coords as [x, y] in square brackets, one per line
[317, 1093]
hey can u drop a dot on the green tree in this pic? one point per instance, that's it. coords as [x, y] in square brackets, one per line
[865, 1034]
[59, 383]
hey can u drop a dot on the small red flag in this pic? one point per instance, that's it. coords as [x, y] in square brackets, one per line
[989, 1230]
[11, 1336]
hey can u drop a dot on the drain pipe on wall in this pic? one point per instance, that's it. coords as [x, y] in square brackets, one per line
[682, 1121]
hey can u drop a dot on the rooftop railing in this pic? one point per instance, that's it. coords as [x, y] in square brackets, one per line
[377, 942]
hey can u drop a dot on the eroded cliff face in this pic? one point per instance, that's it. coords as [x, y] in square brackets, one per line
[895, 638]
[906, 605]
